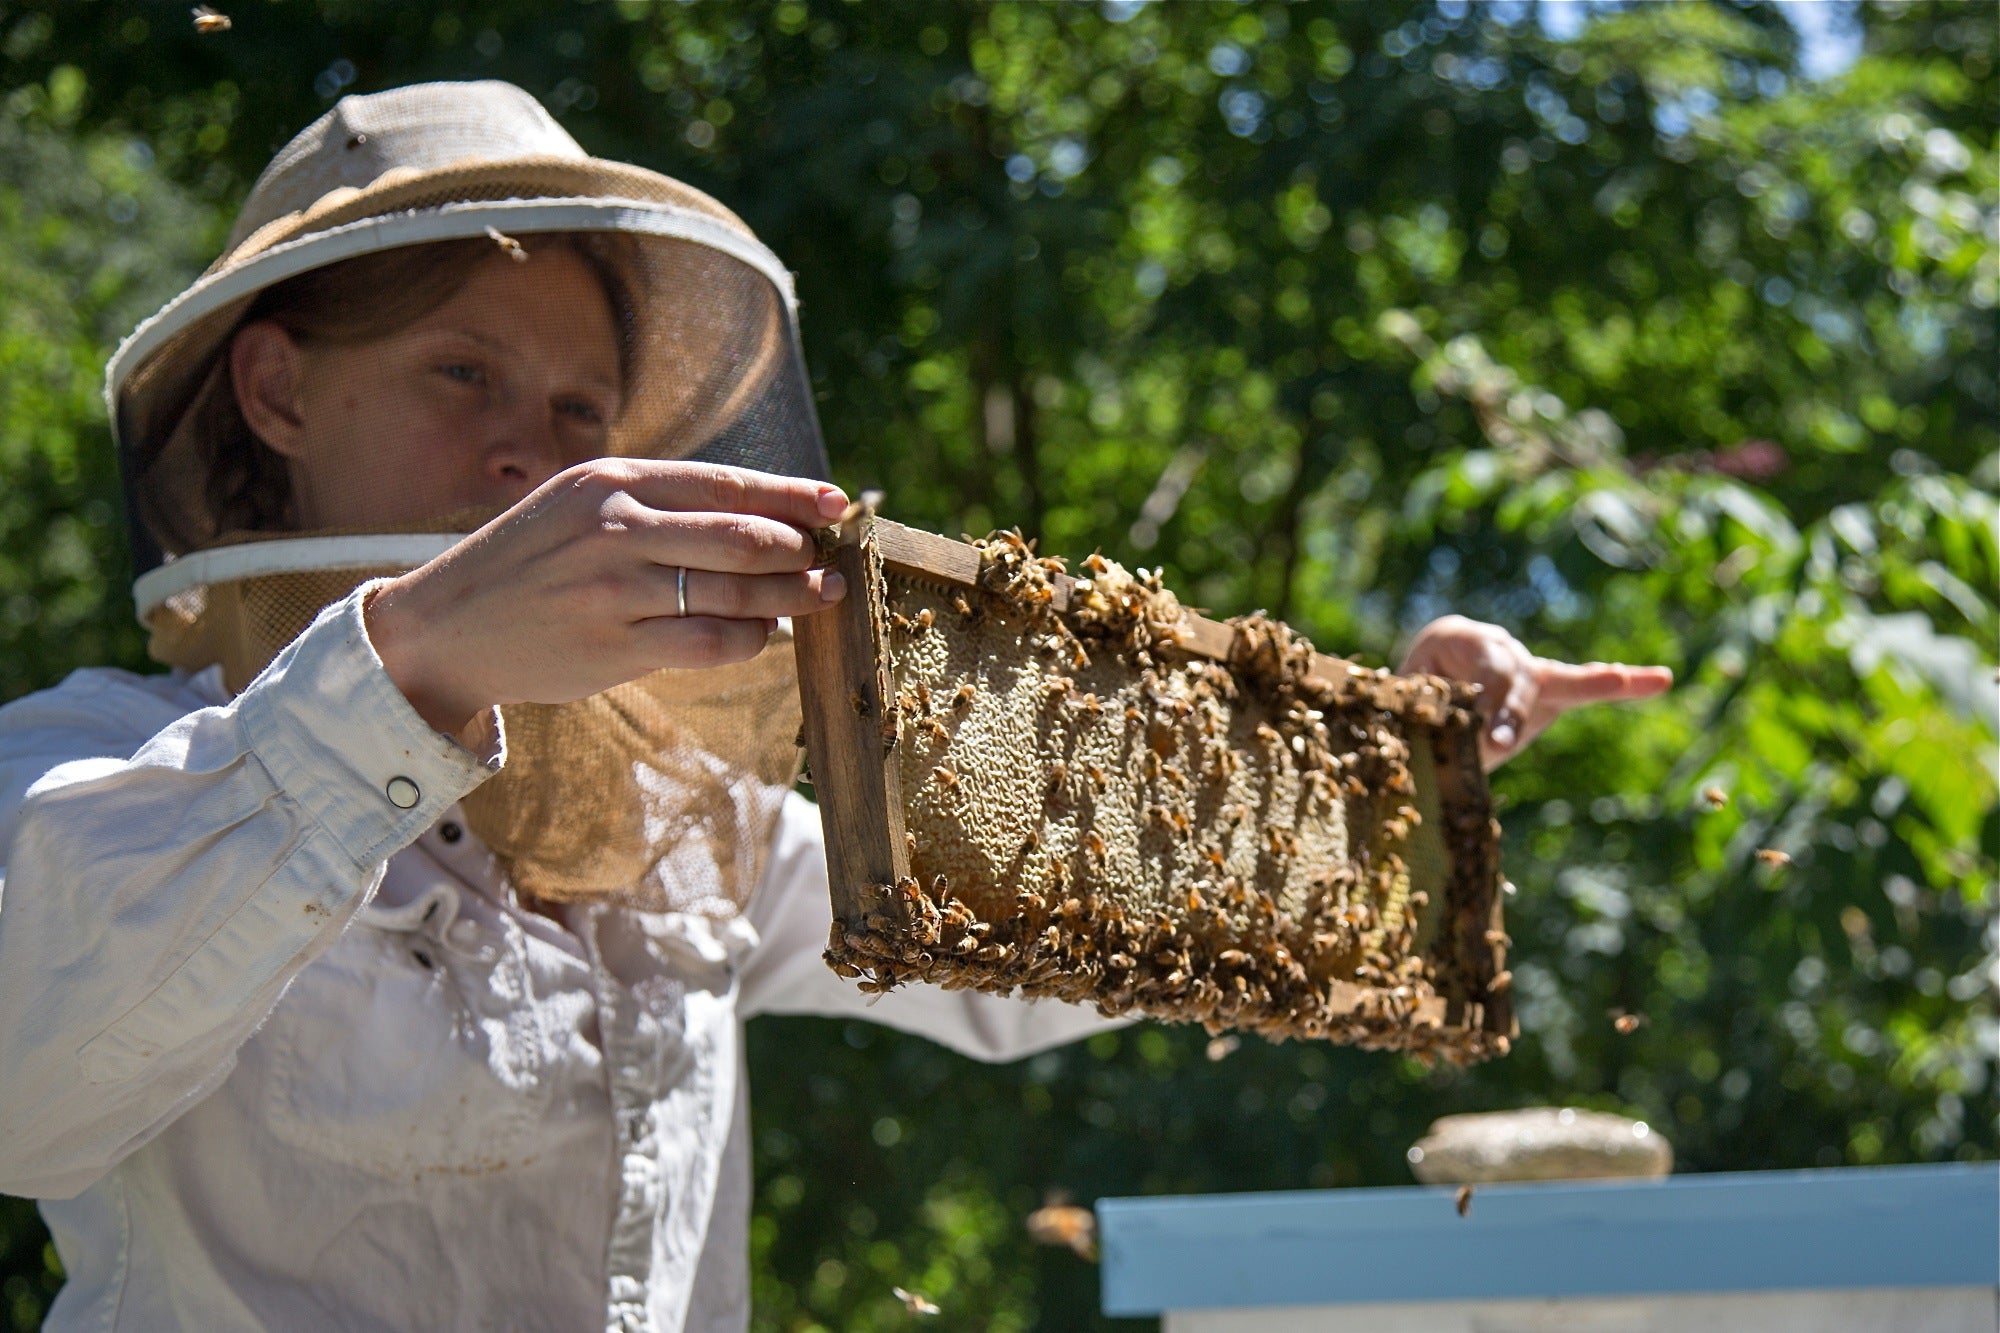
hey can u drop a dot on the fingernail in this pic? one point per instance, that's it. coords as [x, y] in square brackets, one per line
[832, 502]
[1503, 736]
[832, 586]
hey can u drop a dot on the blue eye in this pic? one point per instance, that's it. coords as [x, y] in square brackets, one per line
[463, 373]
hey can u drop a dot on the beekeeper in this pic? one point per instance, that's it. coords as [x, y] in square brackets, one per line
[325, 999]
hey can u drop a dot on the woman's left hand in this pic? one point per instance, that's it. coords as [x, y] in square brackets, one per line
[1521, 693]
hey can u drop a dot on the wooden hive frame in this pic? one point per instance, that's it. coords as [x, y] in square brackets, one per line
[1342, 956]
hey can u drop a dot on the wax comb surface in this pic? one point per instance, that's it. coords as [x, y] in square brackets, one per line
[1076, 787]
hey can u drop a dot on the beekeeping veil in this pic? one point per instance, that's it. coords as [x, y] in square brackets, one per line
[660, 793]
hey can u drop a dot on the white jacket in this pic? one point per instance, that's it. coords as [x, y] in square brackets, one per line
[278, 1053]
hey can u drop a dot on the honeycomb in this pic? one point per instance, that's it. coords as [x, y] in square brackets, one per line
[1092, 809]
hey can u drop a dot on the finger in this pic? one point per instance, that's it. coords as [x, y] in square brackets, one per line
[700, 642]
[1599, 682]
[746, 596]
[1510, 715]
[725, 542]
[732, 490]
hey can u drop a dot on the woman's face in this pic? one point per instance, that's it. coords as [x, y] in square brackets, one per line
[467, 409]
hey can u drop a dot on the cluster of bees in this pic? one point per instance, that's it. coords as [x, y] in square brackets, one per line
[1231, 909]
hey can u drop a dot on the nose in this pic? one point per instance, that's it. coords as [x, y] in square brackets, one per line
[523, 451]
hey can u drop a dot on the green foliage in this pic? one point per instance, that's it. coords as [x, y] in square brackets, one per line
[1638, 343]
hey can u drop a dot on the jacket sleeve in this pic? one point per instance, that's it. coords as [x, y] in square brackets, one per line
[785, 974]
[164, 874]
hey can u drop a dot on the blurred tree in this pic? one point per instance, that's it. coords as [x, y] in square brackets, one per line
[1637, 342]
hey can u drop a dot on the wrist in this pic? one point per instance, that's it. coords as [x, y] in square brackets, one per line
[402, 638]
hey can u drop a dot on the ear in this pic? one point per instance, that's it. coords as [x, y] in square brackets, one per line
[265, 367]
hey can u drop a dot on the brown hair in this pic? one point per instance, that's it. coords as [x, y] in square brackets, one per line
[248, 487]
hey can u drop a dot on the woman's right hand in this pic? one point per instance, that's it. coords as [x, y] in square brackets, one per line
[573, 590]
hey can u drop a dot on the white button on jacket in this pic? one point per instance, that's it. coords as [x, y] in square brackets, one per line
[273, 1056]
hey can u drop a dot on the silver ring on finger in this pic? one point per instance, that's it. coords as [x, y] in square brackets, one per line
[681, 592]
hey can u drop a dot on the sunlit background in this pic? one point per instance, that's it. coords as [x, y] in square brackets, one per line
[1655, 332]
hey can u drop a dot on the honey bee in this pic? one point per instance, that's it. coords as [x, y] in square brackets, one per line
[1501, 981]
[1173, 775]
[1233, 958]
[1092, 705]
[1268, 734]
[1093, 842]
[1095, 564]
[1096, 776]
[947, 777]
[1627, 1024]
[937, 730]
[510, 247]
[927, 617]
[1194, 903]
[858, 702]
[1132, 713]
[1055, 685]
[1057, 1223]
[1464, 1201]
[1214, 856]
[897, 620]
[960, 605]
[923, 696]
[1771, 856]
[1221, 1048]
[914, 1303]
[1059, 872]
[1032, 841]
[208, 19]
[1715, 796]
[966, 694]
[1179, 821]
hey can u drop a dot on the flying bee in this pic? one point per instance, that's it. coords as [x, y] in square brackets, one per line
[913, 1302]
[1715, 796]
[1627, 1024]
[1221, 1048]
[1064, 1224]
[1464, 1201]
[208, 19]
[1771, 856]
